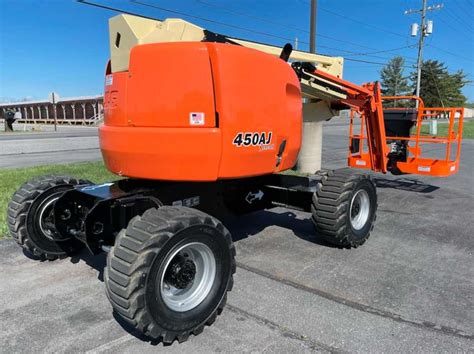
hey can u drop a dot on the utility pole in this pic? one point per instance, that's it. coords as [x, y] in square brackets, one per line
[53, 99]
[312, 26]
[420, 50]
[426, 28]
[309, 158]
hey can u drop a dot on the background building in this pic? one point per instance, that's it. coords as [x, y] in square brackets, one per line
[69, 110]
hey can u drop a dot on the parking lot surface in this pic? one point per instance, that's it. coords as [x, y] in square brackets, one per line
[408, 289]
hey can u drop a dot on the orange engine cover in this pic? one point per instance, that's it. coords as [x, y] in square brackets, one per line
[195, 111]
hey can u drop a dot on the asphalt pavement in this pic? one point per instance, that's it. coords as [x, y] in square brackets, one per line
[67, 145]
[408, 289]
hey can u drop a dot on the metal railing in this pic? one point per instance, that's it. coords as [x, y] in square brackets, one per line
[416, 162]
[94, 120]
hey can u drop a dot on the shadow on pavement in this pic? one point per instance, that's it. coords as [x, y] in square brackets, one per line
[252, 224]
[240, 227]
[97, 262]
[405, 184]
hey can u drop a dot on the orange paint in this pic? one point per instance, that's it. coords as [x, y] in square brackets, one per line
[177, 111]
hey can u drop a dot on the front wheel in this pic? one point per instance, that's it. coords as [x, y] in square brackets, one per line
[344, 208]
[169, 272]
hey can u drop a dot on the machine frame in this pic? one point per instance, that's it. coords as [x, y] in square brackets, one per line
[95, 214]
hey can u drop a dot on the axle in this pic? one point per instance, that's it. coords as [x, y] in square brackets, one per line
[94, 214]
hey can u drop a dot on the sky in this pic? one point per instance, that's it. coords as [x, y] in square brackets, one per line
[62, 46]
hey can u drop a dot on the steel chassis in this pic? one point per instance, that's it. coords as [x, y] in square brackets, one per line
[94, 214]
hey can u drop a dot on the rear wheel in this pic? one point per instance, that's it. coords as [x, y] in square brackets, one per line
[169, 272]
[344, 208]
[31, 218]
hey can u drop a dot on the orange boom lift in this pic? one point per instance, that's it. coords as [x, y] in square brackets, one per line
[201, 129]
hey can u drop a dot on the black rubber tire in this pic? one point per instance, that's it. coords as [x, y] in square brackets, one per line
[138, 258]
[22, 217]
[331, 207]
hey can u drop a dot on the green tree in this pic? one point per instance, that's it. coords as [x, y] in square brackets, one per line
[393, 81]
[440, 88]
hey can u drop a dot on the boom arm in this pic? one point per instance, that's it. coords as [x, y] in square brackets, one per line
[365, 99]
[400, 157]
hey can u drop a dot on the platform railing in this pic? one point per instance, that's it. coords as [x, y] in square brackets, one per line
[415, 162]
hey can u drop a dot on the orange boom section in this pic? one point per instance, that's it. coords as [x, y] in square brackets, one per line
[199, 111]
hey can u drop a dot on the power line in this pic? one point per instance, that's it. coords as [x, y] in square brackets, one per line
[351, 53]
[361, 22]
[253, 31]
[469, 8]
[436, 85]
[338, 50]
[372, 63]
[259, 32]
[375, 62]
[464, 9]
[182, 14]
[211, 21]
[365, 61]
[448, 24]
[450, 53]
[223, 24]
[242, 14]
[381, 63]
[85, 2]
[359, 65]
[264, 20]
[458, 18]
[220, 23]
[386, 50]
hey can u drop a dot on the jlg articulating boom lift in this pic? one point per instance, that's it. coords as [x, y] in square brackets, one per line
[201, 125]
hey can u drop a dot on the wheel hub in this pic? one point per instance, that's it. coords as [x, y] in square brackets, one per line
[188, 277]
[355, 208]
[360, 209]
[46, 220]
[181, 272]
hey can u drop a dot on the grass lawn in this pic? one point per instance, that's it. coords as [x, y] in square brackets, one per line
[11, 179]
[467, 129]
